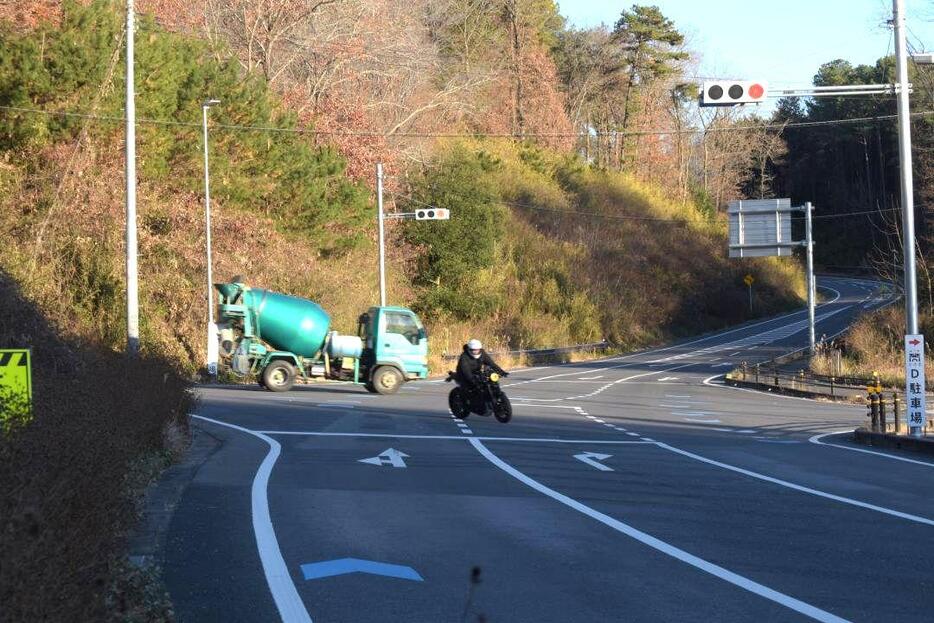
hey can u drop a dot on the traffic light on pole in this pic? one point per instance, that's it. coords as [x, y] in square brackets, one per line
[432, 214]
[730, 92]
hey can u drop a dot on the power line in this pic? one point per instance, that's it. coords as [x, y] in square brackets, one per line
[370, 134]
[626, 217]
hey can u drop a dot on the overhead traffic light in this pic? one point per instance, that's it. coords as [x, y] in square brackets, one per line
[731, 92]
[432, 214]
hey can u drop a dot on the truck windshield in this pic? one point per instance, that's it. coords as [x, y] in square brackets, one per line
[404, 324]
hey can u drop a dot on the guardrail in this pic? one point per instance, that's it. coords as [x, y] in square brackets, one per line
[535, 354]
[769, 375]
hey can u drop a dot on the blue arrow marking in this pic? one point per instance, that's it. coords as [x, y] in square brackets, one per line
[342, 566]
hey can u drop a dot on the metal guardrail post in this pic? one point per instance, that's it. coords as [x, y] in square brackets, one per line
[775, 374]
[874, 411]
[881, 412]
[757, 374]
[831, 387]
[744, 371]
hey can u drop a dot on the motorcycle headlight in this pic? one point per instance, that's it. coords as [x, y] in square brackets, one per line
[494, 377]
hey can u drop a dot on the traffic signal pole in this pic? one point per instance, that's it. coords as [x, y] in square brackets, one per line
[907, 191]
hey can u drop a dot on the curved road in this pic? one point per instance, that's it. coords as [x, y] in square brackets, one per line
[628, 489]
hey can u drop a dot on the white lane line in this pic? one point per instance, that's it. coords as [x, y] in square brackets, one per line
[817, 439]
[299, 433]
[695, 413]
[801, 488]
[538, 406]
[746, 431]
[598, 420]
[590, 378]
[676, 396]
[659, 545]
[633, 434]
[675, 406]
[723, 430]
[666, 348]
[702, 421]
[467, 431]
[290, 605]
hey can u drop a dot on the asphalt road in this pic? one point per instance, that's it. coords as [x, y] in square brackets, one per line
[636, 488]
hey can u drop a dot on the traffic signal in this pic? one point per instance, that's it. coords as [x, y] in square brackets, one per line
[432, 214]
[730, 92]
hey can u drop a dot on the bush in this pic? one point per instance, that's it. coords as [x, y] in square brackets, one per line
[64, 498]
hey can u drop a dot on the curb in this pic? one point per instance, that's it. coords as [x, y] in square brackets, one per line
[922, 445]
[145, 544]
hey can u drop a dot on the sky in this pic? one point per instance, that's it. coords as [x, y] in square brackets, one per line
[782, 42]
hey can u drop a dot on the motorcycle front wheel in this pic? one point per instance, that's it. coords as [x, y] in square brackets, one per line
[457, 403]
[502, 409]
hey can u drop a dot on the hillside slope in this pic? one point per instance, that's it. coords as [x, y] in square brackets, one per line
[564, 253]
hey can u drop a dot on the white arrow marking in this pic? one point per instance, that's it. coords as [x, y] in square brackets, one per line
[668, 378]
[387, 457]
[591, 458]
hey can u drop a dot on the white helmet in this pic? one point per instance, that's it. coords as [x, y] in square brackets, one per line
[474, 346]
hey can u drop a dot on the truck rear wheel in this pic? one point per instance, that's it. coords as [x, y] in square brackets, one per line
[279, 376]
[387, 380]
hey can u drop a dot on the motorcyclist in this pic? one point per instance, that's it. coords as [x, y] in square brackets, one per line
[471, 362]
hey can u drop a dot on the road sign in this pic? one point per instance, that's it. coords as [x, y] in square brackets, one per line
[390, 456]
[914, 380]
[591, 458]
[16, 372]
[761, 227]
[749, 280]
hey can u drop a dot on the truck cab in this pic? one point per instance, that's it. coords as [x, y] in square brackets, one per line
[395, 348]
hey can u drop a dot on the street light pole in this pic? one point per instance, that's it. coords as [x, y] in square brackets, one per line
[212, 328]
[382, 245]
[132, 267]
[812, 286]
[905, 164]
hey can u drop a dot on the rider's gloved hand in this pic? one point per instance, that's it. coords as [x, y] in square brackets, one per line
[504, 374]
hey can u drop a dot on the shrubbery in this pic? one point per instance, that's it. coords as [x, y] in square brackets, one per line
[77, 67]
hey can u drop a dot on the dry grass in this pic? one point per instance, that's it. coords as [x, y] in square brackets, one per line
[66, 496]
[874, 345]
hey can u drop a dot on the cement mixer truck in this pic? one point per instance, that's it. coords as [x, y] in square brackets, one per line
[280, 338]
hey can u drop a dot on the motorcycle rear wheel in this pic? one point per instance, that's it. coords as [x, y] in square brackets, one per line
[457, 403]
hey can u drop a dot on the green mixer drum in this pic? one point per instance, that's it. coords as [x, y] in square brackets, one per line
[288, 322]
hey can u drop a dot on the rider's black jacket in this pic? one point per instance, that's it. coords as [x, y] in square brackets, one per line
[468, 367]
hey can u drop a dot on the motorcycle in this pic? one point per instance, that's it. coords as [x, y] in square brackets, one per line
[488, 398]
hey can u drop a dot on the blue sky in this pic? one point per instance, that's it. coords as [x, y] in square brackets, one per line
[780, 41]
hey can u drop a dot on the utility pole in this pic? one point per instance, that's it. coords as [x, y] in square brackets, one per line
[382, 245]
[132, 269]
[907, 191]
[212, 328]
[904, 153]
[812, 288]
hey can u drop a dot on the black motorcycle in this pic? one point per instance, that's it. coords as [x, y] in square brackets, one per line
[487, 398]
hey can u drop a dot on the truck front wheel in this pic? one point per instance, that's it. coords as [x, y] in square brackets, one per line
[279, 376]
[387, 380]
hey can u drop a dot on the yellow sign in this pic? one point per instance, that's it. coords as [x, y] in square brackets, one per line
[749, 280]
[15, 373]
